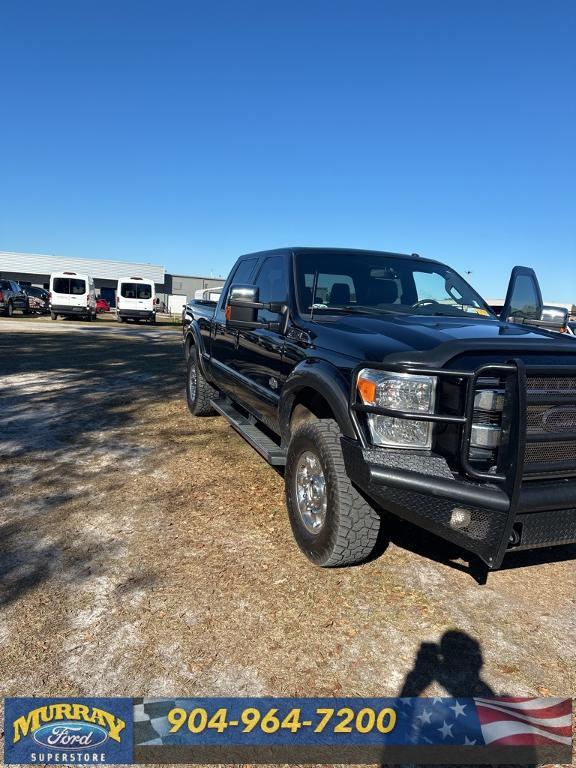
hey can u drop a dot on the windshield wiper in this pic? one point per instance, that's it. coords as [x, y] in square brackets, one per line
[363, 309]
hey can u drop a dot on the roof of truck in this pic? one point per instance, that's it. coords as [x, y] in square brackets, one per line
[361, 251]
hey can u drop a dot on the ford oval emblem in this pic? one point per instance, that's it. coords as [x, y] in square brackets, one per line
[67, 735]
[560, 419]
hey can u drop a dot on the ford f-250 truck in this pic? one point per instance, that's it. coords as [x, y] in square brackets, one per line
[383, 381]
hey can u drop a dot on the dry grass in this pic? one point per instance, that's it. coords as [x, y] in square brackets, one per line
[144, 552]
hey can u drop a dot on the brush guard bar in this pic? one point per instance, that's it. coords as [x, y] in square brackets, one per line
[485, 512]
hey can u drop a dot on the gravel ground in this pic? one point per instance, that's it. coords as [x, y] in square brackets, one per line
[145, 552]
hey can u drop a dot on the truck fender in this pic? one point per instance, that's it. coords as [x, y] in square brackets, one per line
[193, 341]
[329, 384]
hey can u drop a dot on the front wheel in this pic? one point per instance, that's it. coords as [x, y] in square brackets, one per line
[53, 316]
[10, 309]
[198, 390]
[332, 523]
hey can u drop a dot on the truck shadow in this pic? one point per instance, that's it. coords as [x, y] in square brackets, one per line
[421, 542]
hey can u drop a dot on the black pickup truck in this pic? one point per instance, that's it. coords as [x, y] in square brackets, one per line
[383, 381]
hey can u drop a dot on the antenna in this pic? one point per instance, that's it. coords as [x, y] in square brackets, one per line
[314, 288]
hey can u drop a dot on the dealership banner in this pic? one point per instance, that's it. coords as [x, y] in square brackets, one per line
[105, 731]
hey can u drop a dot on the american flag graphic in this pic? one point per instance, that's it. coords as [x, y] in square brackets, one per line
[524, 721]
[501, 721]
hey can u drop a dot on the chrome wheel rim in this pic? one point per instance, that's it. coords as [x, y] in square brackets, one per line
[311, 496]
[192, 383]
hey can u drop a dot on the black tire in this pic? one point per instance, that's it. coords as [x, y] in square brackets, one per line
[350, 529]
[198, 391]
[53, 316]
[10, 309]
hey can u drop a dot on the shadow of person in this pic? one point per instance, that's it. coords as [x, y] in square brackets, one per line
[455, 663]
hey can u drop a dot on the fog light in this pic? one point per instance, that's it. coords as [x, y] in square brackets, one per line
[460, 518]
[485, 436]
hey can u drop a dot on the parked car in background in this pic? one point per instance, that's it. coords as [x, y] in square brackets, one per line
[12, 297]
[38, 299]
[136, 300]
[102, 305]
[72, 295]
[208, 294]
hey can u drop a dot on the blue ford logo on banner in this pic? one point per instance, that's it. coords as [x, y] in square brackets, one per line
[70, 735]
[76, 730]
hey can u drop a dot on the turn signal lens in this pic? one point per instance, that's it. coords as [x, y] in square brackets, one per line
[367, 391]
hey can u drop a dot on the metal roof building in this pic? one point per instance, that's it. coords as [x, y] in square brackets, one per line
[36, 268]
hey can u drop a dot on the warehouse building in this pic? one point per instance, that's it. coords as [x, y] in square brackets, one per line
[35, 269]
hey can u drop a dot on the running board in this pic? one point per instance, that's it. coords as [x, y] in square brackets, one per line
[265, 446]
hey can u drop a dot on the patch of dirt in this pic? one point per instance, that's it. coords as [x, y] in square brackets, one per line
[145, 552]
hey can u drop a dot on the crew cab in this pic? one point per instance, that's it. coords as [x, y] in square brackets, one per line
[383, 381]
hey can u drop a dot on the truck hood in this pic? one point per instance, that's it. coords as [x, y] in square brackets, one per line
[366, 337]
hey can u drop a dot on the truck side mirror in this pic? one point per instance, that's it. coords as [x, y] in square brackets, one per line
[242, 307]
[523, 298]
[242, 310]
[555, 318]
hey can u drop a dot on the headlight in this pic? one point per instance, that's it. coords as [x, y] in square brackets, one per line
[398, 392]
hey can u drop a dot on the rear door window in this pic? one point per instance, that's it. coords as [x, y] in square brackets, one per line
[136, 291]
[241, 276]
[73, 285]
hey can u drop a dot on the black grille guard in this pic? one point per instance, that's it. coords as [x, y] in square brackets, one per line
[499, 499]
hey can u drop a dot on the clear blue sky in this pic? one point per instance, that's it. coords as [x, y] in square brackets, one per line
[186, 132]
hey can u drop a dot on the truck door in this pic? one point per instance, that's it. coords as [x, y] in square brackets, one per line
[258, 359]
[223, 345]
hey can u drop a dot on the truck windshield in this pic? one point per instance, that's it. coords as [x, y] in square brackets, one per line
[348, 281]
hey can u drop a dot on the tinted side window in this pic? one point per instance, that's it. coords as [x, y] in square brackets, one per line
[244, 271]
[61, 285]
[128, 290]
[241, 276]
[272, 282]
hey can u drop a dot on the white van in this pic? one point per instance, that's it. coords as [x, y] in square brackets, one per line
[72, 295]
[136, 299]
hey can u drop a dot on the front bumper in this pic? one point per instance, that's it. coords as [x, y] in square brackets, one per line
[479, 516]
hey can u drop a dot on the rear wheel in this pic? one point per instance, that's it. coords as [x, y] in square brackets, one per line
[198, 391]
[332, 523]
